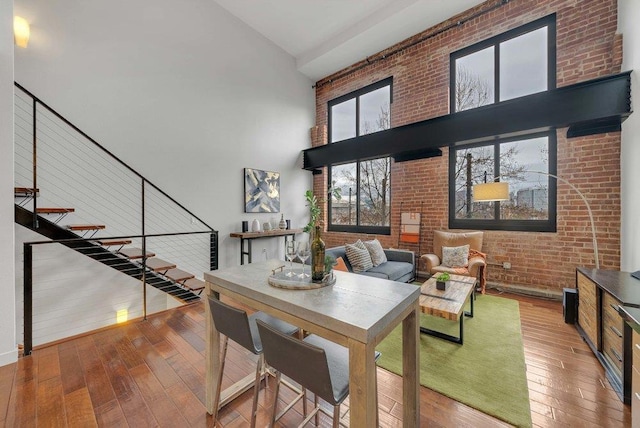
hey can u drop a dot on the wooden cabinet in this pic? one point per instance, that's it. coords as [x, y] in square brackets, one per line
[601, 293]
[587, 309]
[631, 338]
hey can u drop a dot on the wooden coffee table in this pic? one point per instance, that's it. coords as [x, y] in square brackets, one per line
[448, 304]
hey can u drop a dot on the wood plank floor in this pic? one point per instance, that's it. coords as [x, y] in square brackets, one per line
[151, 373]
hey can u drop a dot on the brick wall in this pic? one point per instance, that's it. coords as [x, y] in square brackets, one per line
[587, 47]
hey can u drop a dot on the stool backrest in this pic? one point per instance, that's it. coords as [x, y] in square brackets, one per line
[233, 323]
[302, 362]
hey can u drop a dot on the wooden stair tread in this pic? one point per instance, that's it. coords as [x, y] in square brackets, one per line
[25, 191]
[194, 284]
[86, 226]
[159, 265]
[114, 242]
[178, 275]
[55, 210]
[134, 253]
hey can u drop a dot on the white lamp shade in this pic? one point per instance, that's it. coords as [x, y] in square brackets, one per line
[21, 31]
[489, 192]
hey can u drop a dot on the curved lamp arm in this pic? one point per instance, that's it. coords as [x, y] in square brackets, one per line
[593, 226]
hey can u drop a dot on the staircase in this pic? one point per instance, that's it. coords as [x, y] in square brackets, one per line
[113, 253]
[71, 181]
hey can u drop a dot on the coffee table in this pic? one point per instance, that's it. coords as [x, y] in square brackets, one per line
[448, 304]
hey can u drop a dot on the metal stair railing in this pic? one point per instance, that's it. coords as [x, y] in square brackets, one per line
[70, 169]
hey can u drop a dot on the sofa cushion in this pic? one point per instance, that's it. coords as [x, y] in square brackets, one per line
[455, 256]
[359, 258]
[376, 252]
[390, 270]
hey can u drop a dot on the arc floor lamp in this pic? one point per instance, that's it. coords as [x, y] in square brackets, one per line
[499, 191]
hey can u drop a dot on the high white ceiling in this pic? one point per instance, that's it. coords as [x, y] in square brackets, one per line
[325, 36]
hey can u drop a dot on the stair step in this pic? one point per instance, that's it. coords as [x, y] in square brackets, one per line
[114, 243]
[86, 226]
[55, 210]
[178, 275]
[134, 253]
[159, 265]
[194, 284]
[25, 191]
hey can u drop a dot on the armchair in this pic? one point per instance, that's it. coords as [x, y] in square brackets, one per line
[476, 262]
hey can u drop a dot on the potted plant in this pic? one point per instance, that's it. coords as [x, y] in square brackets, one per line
[441, 281]
[314, 211]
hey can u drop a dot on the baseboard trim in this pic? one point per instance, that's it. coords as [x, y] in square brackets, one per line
[9, 357]
[528, 291]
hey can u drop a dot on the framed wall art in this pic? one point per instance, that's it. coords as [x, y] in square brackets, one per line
[261, 191]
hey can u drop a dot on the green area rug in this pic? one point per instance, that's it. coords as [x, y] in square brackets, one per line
[486, 373]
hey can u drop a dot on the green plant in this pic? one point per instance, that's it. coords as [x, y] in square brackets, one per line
[329, 263]
[314, 211]
[443, 277]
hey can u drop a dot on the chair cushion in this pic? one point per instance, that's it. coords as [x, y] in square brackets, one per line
[443, 238]
[274, 322]
[455, 256]
[359, 258]
[376, 252]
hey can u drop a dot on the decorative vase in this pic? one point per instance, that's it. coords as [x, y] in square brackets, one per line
[255, 225]
[441, 285]
[317, 257]
[283, 224]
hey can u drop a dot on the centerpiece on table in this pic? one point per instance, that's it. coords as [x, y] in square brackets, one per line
[442, 281]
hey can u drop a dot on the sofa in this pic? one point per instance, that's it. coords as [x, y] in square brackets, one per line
[400, 264]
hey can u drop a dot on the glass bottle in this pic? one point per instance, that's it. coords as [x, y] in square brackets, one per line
[317, 257]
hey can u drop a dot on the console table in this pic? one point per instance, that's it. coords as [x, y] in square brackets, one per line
[250, 236]
[601, 293]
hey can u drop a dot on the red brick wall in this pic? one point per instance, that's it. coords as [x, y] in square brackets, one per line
[587, 47]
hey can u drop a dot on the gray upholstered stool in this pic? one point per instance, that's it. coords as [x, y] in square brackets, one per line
[236, 325]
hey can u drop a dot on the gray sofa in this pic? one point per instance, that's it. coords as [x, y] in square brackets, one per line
[400, 264]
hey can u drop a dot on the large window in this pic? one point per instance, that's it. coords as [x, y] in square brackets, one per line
[360, 191]
[516, 63]
[513, 64]
[524, 163]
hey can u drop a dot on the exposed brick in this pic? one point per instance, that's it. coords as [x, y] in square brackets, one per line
[587, 47]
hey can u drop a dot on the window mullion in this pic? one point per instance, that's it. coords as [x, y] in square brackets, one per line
[496, 66]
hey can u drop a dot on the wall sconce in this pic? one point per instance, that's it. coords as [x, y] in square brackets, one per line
[21, 31]
[122, 315]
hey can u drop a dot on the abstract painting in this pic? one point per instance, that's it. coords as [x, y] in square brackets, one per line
[261, 191]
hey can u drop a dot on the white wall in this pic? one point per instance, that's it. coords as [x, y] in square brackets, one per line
[184, 93]
[73, 294]
[628, 18]
[8, 350]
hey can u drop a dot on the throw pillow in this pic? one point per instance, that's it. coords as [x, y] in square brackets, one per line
[455, 256]
[376, 252]
[340, 265]
[358, 257]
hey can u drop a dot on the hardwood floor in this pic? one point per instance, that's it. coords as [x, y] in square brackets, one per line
[151, 373]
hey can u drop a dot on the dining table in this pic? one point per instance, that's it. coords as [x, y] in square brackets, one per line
[356, 311]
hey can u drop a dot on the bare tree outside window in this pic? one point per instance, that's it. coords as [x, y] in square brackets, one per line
[471, 90]
[374, 183]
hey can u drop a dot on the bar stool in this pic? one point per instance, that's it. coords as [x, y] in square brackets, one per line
[236, 325]
[315, 363]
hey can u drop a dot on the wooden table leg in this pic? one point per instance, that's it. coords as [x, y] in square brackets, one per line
[363, 392]
[411, 370]
[212, 357]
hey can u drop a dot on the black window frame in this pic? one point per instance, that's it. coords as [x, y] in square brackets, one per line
[548, 225]
[357, 228]
[547, 21]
